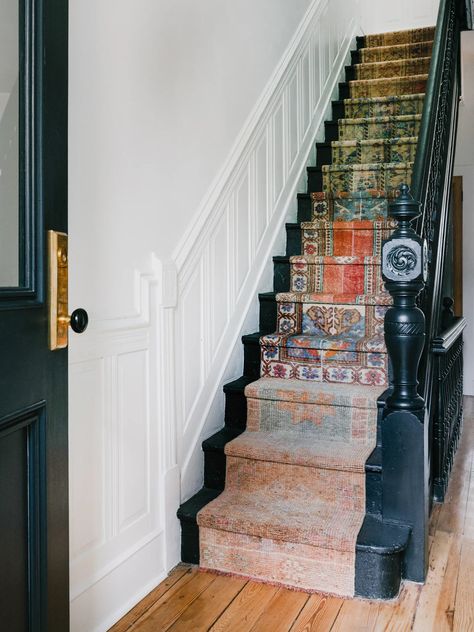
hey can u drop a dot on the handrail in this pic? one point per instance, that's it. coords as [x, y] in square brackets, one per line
[421, 166]
[431, 185]
[443, 343]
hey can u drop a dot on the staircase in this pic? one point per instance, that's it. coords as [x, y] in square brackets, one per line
[293, 483]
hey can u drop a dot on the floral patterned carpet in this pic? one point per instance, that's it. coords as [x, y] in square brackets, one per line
[294, 499]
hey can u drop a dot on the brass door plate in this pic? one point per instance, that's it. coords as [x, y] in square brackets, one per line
[58, 290]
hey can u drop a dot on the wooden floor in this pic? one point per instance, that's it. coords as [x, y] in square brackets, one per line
[190, 600]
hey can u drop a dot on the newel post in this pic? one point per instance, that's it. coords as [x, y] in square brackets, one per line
[404, 460]
[404, 273]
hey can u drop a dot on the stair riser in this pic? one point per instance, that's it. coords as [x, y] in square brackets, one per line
[305, 208]
[293, 239]
[395, 38]
[215, 464]
[322, 366]
[348, 208]
[367, 130]
[373, 88]
[323, 154]
[407, 106]
[344, 243]
[387, 69]
[390, 69]
[267, 314]
[331, 131]
[317, 421]
[235, 413]
[251, 359]
[386, 177]
[311, 318]
[392, 53]
[340, 279]
[362, 152]
[294, 565]
[337, 110]
[344, 91]
[281, 274]
[345, 490]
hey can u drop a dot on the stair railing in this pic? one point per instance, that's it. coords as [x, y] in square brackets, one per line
[418, 429]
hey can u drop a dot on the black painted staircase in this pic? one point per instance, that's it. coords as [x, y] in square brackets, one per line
[380, 546]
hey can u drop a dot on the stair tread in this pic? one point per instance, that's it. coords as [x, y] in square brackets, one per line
[397, 50]
[309, 521]
[344, 299]
[381, 80]
[237, 385]
[368, 166]
[188, 510]
[423, 33]
[390, 62]
[307, 392]
[295, 449]
[352, 225]
[336, 259]
[326, 342]
[368, 142]
[380, 119]
[217, 441]
[387, 99]
[395, 140]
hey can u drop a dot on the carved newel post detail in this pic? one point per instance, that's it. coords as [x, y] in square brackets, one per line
[404, 269]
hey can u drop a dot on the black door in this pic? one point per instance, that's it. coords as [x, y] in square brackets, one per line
[34, 593]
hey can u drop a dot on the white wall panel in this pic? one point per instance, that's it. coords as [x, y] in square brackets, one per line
[88, 431]
[278, 149]
[133, 438]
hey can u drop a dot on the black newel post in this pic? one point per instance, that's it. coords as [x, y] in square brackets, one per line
[403, 271]
[404, 458]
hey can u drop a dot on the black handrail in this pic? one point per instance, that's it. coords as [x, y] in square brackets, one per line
[443, 343]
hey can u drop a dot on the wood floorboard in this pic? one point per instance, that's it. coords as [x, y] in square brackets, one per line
[318, 615]
[281, 611]
[399, 616]
[195, 601]
[464, 606]
[210, 604]
[357, 616]
[245, 610]
[145, 604]
[429, 596]
[173, 603]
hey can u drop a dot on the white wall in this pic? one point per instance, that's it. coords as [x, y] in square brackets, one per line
[379, 16]
[464, 166]
[159, 92]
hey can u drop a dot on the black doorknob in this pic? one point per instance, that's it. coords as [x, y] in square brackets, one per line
[79, 320]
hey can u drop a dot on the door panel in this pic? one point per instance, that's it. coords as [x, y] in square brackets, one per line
[33, 380]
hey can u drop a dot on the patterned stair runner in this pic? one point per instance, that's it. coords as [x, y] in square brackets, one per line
[294, 497]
